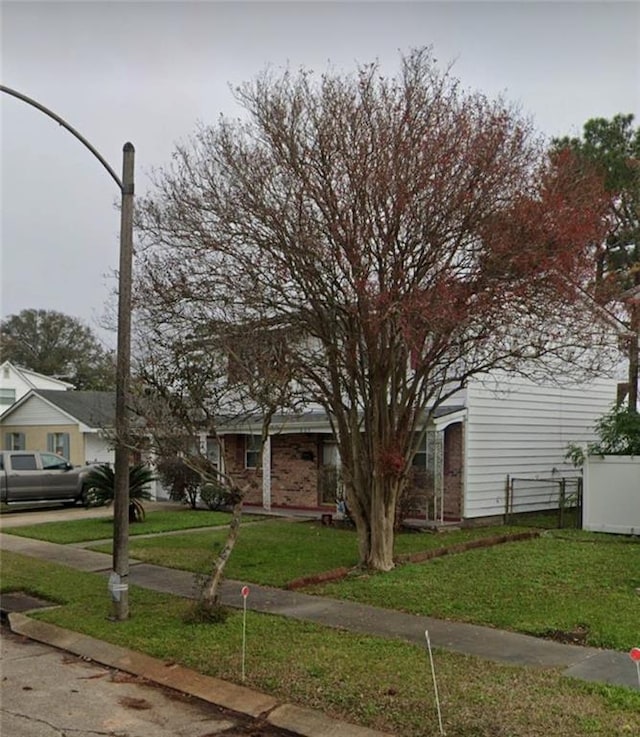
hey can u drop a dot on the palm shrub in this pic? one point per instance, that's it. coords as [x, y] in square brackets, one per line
[101, 482]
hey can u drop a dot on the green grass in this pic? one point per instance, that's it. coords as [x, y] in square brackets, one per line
[567, 581]
[383, 684]
[276, 551]
[570, 581]
[562, 581]
[101, 528]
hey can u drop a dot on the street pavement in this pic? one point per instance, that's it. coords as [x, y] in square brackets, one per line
[49, 693]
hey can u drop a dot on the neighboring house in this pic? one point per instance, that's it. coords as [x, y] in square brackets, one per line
[74, 424]
[511, 429]
[15, 382]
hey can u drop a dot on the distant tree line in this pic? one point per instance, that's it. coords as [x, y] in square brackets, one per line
[58, 345]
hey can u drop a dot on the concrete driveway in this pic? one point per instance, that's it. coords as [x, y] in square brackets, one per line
[32, 516]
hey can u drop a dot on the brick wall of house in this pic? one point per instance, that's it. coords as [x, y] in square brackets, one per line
[294, 469]
[234, 463]
[453, 471]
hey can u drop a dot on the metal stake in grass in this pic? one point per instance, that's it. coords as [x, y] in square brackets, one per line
[435, 683]
[245, 594]
[634, 654]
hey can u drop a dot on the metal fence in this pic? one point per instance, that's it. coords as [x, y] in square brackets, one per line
[547, 502]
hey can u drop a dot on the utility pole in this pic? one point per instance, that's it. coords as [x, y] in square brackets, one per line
[119, 580]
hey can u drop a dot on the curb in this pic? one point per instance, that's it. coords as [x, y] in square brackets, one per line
[254, 704]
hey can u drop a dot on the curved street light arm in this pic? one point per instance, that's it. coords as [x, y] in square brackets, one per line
[64, 124]
[120, 575]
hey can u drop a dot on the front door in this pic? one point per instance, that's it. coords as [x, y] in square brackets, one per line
[329, 475]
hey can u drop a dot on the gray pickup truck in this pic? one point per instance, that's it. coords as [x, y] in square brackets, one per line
[28, 476]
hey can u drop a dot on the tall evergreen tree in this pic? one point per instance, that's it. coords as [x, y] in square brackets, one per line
[612, 147]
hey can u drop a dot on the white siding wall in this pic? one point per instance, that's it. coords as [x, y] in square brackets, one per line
[14, 381]
[36, 411]
[23, 381]
[523, 429]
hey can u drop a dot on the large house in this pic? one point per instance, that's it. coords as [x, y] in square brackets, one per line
[74, 424]
[499, 446]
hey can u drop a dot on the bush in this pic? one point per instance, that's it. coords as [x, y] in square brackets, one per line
[214, 496]
[618, 432]
[183, 482]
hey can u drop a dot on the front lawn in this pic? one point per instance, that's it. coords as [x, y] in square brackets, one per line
[572, 584]
[277, 551]
[582, 584]
[101, 528]
[384, 684]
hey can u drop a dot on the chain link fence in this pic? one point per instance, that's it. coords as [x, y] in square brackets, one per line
[547, 502]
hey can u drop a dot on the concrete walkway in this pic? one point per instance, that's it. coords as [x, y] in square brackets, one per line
[586, 663]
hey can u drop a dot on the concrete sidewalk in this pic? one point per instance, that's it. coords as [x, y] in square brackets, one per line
[586, 663]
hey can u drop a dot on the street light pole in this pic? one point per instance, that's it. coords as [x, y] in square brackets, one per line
[120, 575]
[118, 582]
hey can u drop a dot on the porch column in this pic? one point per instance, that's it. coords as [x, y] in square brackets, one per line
[266, 474]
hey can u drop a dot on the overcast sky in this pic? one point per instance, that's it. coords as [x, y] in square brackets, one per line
[147, 72]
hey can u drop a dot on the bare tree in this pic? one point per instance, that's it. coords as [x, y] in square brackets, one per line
[185, 394]
[402, 234]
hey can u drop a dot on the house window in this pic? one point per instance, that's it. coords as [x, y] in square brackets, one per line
[252, 445]
[59, 442]
[14, 441]
[7, 397]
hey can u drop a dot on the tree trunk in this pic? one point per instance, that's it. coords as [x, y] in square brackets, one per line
[210, 593]
[382, 537]
[376, 529]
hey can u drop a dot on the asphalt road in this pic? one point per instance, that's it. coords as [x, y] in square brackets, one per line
[48, 693]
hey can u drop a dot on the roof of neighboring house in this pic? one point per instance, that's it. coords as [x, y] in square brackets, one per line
[92, 408]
